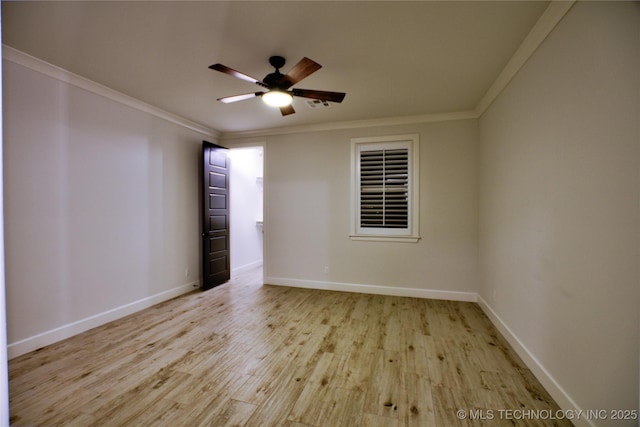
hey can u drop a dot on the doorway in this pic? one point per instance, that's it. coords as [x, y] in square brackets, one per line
[246, 195]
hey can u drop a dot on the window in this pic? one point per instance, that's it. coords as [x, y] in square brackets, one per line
[384, 195]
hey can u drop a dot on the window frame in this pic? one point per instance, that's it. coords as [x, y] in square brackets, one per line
[409, 234]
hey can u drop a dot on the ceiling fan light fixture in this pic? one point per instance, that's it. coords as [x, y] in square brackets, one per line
[277, 98]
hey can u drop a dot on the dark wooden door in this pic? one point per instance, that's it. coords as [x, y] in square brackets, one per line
[215, 219]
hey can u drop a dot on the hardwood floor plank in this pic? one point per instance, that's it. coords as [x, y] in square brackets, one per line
[358, 369]
[123, 408]
[246, 354]
[276, 407]
[323, 403]
[419, 401]
[386, 389]
[415, 348]
[236, 413]
[341, 408]
[370, 420]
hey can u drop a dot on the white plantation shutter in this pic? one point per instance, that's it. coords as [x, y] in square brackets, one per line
[384, 188]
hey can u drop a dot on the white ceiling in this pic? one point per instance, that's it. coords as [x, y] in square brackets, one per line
[392, 58]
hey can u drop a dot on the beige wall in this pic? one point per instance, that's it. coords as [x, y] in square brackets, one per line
[307, 213]
[560, 206]
[101, 207]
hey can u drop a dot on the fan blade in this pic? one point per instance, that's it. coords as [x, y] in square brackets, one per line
[287, 110]
[302, 69]
[319, 94]
[238, 74]
[236, 98]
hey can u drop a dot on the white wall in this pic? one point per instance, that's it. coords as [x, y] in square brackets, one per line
[307, 215]
[4, 375]
[246, 198]
[560, 208]
[102, 208]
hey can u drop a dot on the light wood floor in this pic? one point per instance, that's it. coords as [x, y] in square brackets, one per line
[244, 354]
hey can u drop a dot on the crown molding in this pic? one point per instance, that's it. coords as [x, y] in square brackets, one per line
[31, 62]
[355, 124]
[543, 27]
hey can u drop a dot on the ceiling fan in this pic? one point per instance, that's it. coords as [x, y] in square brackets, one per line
[279, 93]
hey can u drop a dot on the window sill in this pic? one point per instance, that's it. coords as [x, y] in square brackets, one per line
[402, 239]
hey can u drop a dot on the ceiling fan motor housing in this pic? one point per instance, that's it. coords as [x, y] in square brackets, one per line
[272, 80]
[277, 62]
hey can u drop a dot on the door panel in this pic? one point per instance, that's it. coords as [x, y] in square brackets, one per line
[217, 180]
[217, 223]
[217, 244]
[215, 220]
[217, 201]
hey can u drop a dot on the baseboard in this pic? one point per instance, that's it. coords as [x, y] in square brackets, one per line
[246, 267]
[35, 342]
[556, 391]
[373, 289]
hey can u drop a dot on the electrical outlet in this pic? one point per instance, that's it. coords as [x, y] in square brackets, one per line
[326, 269]
[186, 272]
